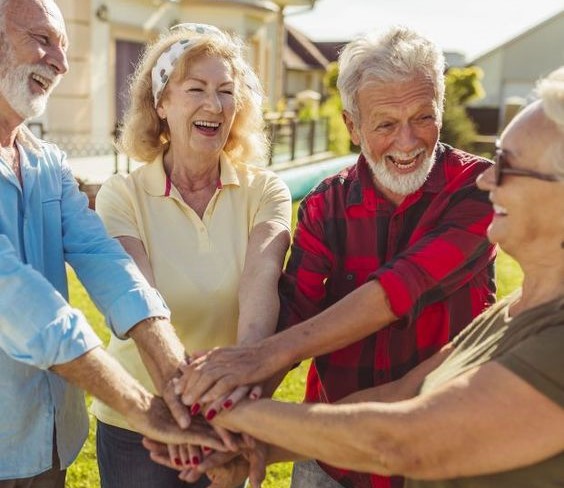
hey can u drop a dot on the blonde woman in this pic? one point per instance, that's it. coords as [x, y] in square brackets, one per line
[208, 228]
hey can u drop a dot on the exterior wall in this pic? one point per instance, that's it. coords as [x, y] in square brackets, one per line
[297, 81]
[492, 67]
[513, 69]
[69, 108]
[87, 94]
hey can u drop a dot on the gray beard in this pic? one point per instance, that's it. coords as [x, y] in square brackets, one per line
[398, 184]
[14, 84]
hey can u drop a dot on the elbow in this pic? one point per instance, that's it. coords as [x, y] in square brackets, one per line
[394, 456]
[402, 452]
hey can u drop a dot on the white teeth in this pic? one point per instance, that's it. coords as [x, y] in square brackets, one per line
[403, 164]
[404, 161]
[499, 210]
[44, 82]
[204, 123]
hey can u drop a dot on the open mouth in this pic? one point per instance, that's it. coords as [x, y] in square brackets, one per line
[499, 210]
[206, 126]
[403, 162]
[43, 82]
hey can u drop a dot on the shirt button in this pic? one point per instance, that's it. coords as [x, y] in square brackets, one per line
[350, 277]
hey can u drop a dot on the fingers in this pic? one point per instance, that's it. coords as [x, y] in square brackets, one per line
[225, 402]
[216, 459]
[159, 453]
[213, 391]
[194, 455]
[257, 465]
[190, 475]
[229, 439]
[174, 456]
[256, 392]
[178, 410]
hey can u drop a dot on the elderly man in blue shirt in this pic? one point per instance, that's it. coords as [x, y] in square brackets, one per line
[45, 222]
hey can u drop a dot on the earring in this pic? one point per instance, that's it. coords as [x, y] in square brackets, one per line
[163, 138]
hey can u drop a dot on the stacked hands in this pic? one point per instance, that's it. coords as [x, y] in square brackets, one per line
[205, 385]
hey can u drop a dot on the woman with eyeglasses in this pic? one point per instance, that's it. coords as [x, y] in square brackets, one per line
[208, 228]
[487, 411]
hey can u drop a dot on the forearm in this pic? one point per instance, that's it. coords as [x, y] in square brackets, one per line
[259, 304]
[362, 437]
[102, 376]
[160, 349]
[357, 315]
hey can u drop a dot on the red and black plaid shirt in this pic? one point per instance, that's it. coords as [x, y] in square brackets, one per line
[430, 254]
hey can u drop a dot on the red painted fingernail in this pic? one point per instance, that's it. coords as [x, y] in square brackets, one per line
[195, 461]
[206, 449]
[211, 414]
[227, 403]
[187, 462]
[195, 409]
[177, 461]
[253, 396]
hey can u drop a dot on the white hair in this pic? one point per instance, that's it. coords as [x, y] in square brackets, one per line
[551, 93]
[399, 54]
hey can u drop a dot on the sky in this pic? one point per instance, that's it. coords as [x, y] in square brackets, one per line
[471, 27]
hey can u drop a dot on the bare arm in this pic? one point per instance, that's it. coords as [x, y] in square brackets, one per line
[258, 291]
[357, 315]
[159, 347]
[102, 376]
[462, 429]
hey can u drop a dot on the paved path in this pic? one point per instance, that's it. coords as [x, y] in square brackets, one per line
[96, 169]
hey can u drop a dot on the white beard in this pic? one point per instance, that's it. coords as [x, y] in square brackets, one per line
[14, 84]
[400, 184]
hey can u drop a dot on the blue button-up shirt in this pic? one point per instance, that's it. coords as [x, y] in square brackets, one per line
[42, 226]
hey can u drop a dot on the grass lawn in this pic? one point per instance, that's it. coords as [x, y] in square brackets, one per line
[84, 472]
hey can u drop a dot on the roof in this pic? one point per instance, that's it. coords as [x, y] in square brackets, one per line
[302, 54]
[331, 49]
[517, 38]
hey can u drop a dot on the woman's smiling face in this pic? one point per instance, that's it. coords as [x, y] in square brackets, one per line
[200, 108]
[528, 212]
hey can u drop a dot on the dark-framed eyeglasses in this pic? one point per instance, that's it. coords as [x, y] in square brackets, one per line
[502, 167]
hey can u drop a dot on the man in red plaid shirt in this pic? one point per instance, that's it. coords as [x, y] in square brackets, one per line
[390, 258]
[400, 236]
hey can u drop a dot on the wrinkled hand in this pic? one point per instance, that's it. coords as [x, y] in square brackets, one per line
[251, 464]
[219, 372]
[229, 401]
[224, 469]
[178, 410]
[155, 421]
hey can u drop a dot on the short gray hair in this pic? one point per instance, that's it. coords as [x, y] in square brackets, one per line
[397, 55]
[551, 93]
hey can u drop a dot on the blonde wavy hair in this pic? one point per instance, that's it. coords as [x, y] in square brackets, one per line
[144, 135]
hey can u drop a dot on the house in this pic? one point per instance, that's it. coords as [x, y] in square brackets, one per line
[512, 69]
[107, 38]
[305, 65]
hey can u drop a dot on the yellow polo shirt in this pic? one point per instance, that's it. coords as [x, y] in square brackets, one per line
[197, 263]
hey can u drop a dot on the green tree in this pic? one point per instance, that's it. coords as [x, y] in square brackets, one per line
[462, 85]
[332, 108]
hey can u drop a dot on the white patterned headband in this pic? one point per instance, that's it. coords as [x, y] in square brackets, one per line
[164, 66]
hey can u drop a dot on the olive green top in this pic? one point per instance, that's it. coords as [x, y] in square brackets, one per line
[530, 345]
